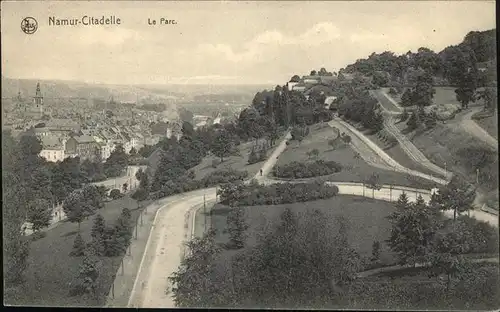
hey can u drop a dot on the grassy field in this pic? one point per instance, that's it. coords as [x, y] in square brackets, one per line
[489, 124]
[366, 217]
[354, 170]
[239, 162]
[442, 144]
[51, 270]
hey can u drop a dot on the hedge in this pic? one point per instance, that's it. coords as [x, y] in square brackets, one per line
[299, 170]
[282, 193]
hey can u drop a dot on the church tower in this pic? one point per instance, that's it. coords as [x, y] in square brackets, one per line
[38, 99]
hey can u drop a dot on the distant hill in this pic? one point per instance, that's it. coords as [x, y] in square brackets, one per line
[74, 89]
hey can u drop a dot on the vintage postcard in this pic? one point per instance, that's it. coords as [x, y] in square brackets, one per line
[253, 154]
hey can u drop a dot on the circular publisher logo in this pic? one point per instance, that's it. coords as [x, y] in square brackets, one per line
[29, 25]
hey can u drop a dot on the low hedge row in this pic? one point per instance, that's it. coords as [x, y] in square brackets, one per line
[275, 194]
[299, 170]
[186, 184]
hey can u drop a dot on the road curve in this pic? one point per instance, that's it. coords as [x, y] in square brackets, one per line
[471, 127]
[170, 230]
[409, 148]
[387, 159]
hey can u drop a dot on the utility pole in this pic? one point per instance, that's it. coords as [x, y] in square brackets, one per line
[477, 176]
[204, 213]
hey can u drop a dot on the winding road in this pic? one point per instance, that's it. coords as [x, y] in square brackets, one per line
[171, 227]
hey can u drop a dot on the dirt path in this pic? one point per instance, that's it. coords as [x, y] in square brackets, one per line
[471, 127]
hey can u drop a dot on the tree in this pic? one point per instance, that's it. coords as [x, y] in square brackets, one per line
[406, 98]
[77, 208]
[86, 281]
[123, 230]
[373, 182]
[295, 78]
[191, 282]
[39, 214]
[115, 194]
[236, 228]
[412, 231]
[346, 138]
[423, 93]
[14, 209]
[222, 145]
[404, 116]
[412, 123]
[313, 73]
[78, 246]
[98, 228]
[125, 187]
[458, 196]
[117, 162]
[375, 251]
[132, 151]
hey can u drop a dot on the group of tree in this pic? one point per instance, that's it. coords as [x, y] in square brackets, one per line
[457, 65]
[106, 240]
[360, 107]
[287, 108]
[83, 203]
[422, 235]
[293, 264]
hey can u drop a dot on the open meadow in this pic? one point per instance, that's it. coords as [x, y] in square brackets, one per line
[51, 270]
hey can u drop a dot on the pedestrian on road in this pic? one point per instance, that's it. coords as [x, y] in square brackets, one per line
[260, 172]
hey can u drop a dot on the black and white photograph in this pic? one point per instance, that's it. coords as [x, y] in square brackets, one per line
[307, 155]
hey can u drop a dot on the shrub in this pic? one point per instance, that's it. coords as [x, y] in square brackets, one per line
[223, 176]
[78, 246]
[140, 194]
[256, 156]
[275, 194]
[215, 163]
[38, 235]
[296, 169]
[115, 194]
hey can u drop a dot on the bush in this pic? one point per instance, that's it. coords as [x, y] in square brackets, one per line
[257, 156]
[38, 235]
[215, 163]
[78, 246]
[223, 176]
[481, 115]
[299, 170]
[276, 194]
[140, 194]
[115, 194]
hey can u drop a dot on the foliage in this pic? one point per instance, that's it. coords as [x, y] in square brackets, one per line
[191, 284]
[375, 251]
[78, 246]
[458, 195]
[140, 194]
[117, 162]
[222, 145]
[39, 214]
[295, 78]
[413, 229]
[404, 116]
[346, 138]
[86, 281]
[115, 194]
[81, 204]
[293, 264]
[236, 228]
[223, 176]
[373, 182]
[281, 193]
[306, 170]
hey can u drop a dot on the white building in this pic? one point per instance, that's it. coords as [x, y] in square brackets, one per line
[52, 149]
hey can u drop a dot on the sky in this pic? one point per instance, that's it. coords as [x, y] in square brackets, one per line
[223, 42]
